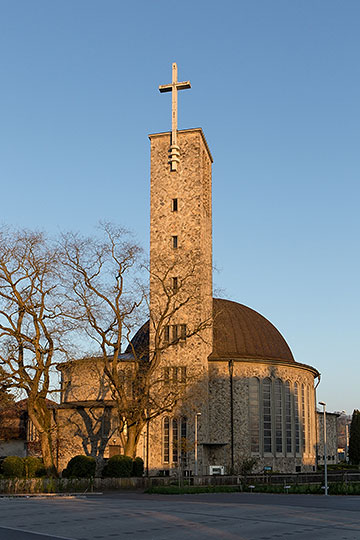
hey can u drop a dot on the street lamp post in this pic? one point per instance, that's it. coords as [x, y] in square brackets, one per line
[325, 450]
[196, 443]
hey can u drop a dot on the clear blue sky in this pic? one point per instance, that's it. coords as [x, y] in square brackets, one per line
[276, 89]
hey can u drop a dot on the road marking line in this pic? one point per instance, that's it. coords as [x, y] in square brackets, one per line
[35, 532]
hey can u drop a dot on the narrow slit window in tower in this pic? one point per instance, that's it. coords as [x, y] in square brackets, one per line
[183, 374]
[166, 375]
[182, 331]
[174, 205]
[175, 242]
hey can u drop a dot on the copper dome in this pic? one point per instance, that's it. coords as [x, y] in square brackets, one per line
[239, 332]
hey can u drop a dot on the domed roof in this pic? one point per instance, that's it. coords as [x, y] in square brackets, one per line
[140, 341]
[239, 332]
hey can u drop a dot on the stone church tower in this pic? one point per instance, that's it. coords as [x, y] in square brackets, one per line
[181, 273]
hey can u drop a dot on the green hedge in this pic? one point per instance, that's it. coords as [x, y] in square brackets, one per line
[33, 467]
[18, 467]
[118, 467]
[314, 489]
[123, 467]
[138, 467]
[80, 467]
[13, 467]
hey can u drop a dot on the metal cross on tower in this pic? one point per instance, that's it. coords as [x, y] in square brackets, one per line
[174, 87]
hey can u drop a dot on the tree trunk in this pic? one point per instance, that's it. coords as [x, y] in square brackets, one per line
[99, 465]
[40, 416]
[47, 453]
[133, 434]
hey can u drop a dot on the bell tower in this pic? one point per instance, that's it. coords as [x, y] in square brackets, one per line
[181, 255]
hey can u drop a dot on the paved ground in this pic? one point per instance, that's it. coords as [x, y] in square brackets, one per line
[244, 516]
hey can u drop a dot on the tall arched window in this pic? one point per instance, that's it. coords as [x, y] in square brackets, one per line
[254, 401]
[289, 446]
[183, 441]
[175, 440]
[166, 439]
[308, 436]
[303, 419]
[267, 415]
[278, 416]
[297, 418]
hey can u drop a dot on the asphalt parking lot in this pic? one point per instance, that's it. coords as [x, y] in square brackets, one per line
[242, 516]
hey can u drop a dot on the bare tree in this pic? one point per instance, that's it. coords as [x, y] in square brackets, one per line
[31, 323]
[111, 301]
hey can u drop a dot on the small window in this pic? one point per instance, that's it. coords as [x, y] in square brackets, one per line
[175, 242]
[182, 331]
[175, 284]
[166, 375]
[174, 205]
[175, 333]
[174, 375]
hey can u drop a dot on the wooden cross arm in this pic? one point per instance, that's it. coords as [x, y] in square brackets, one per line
[179, 86]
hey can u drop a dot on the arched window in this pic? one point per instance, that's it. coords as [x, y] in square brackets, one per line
[308, 437]
[254, 401]
[297, 418]
[267, 395]
[303, 419]
[183, 441]
[278, 416]
[174, 440]
[166, 439]
[289, 446]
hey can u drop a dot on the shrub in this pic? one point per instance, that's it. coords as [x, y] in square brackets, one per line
[41, 472]
[13, 466]
[118, 467]
[138, 467]
[247, 466]
[80, 467]
[354, 442]
[32, 466]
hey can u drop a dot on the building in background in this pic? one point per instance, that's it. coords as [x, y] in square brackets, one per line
[18, 435]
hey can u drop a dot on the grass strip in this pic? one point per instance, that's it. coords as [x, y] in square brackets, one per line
[305, 489]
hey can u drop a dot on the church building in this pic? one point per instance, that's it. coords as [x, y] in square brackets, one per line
[245, 396]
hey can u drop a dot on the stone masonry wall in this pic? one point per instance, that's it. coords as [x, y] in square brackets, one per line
[220, 425]
[190, 262]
